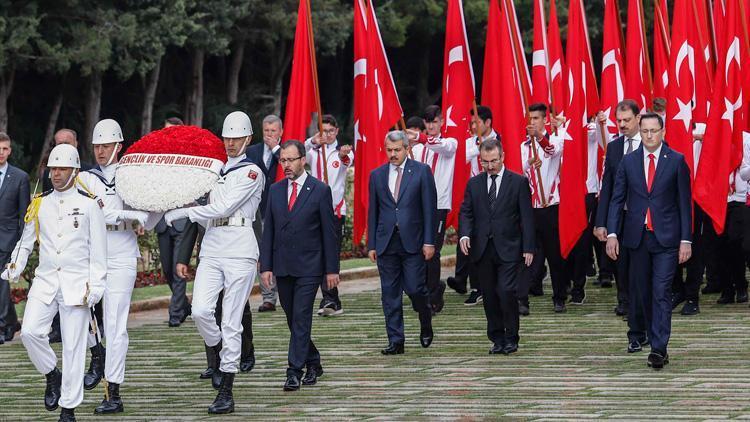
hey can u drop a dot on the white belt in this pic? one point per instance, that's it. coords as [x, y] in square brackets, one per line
[231, 222]
[121, 227]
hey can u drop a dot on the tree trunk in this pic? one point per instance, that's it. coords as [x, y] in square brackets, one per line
[233, 77]
[282, 60]
[6, 87]
[422, 87]
[54, 115]
[194, 105]
[149, 96]
[92, 110]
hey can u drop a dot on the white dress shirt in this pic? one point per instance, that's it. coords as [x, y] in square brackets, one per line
[3, 173]
[300, 181]
[498, 179]
[268, 153]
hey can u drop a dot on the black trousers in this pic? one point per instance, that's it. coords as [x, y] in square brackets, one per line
[8, 317]
[548, 238]
[599, 249]
[332, 295]
[433, 265]
[297, 295]
[733, 258]
[465, 269]
[693, 269]
[581, 257]
[499, 281]
[169, 245]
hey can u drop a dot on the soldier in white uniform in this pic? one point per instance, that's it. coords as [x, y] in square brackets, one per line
[122, 259]
[69, 226]
[329, 163]
[228, 256]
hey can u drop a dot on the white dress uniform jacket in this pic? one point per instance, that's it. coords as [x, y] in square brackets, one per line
[472, 152]
[440, 154]
[337, 170]
[550, 170]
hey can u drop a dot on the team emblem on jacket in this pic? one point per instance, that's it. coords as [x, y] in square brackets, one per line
[100, 202]
[335, 164]
[253, 175]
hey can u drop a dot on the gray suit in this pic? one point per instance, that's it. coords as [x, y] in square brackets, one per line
[14, 199]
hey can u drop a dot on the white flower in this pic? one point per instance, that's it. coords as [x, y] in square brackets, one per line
[159, 188]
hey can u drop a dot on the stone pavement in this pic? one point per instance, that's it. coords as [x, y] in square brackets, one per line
[570, 366]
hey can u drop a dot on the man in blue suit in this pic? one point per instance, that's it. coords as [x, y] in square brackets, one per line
[654, 183]
[300, 249]
[401, 237]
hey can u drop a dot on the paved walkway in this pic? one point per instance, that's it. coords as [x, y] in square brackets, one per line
[571, 366]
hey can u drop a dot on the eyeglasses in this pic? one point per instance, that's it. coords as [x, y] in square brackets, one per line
[487, 163]
[329, 131]
[651, 132]
[288, 160]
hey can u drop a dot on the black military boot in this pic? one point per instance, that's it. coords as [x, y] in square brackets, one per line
[114, 404]
[67, 415]
[247, 358]
[96, 368]
[52, 392]
[216, 377]
[224, 402]
[211, 361]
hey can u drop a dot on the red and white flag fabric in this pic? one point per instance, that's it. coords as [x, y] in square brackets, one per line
[661, 48]
[572, 216]
[721, 153]
[638, 84]
[613, 71]
[492, 95]
[458, 97]
[679, 122]
[558, 84]
[701, 40]
[376, 104]
[540, 71]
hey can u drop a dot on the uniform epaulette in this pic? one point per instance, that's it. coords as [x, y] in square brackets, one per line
[86, 194]
[45, 193]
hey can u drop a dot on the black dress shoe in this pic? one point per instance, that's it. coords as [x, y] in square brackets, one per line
[292, 383]
[459, 287]
[425, 336]
[96, 367]
[710, 289]
[725, 299]
[523, 309]
[247, 363]
[52, 391]
[510, 348]
[621, 309]
[67, 415]
[741, 298]
[267, 307]
[605, 282]
[114, 404]
[634, 346]
[10, 331]
[312, 374]
[393, 349]
[497, 349]
[224, 401]
[174, 323]
[690, 308]
[536, 292]
[677, 298]
[656, 360]
[560, 307]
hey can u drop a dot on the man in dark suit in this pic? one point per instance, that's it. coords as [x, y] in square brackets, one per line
[14, 199]
[628, 117]
[266, 155]
[299, 248]
[497, 233]
[401, 237]
[654, 183]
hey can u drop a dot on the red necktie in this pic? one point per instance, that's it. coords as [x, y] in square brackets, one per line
[293, 196]
[649, 184]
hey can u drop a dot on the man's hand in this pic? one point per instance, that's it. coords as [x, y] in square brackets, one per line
[535, 162]
[600, 233]
[533, 132]
[428, 251]
[601, 118]
[412, 134]
[10, 274]
[528, 257]
[373, 255]
[140, 231]
[613, 248]
[332, 280]
[316, 139]
[271, 143]
[173, 215]
[686, 251]
[181, 270]
[465, 244]
[344, 151]
[266, 278]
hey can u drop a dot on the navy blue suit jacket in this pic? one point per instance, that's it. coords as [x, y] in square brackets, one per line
[670, 199]
[414, 212]
[615, 152]
[255, 154]
[14, 199]
[301, 242]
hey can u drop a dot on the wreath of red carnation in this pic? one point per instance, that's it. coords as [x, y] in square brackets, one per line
[185, 140]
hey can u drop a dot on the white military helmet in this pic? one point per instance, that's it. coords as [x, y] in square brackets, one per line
[64, 155]
[236, 125]
[107, 131]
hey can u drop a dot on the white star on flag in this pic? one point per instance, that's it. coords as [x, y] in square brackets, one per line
[685, 114]
[730, 109]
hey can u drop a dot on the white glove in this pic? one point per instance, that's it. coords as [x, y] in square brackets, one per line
[14, 275]
[95, 295]
[173, 215]
[139, 216]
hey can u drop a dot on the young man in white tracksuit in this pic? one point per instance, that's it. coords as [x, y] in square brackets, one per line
[69, 226]
[122, 259]
[228, 256]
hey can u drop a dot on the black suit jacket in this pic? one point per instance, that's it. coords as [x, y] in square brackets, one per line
[510, 227]
[615, 152]
[255, 154]
[302, 242]
[14, 199]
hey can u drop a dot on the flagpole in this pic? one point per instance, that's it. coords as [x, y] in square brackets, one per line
[711, 28]
[524, 90]
[649, 75]
[662, 27]
[744, 26]
[702, 41]
[553, 103]
[313, 61]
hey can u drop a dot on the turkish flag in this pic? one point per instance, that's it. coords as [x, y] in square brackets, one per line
[458, 98]
[377, 109]
[491, 81]
[661, 48]
[301, 99]
[638, 70]
[704, 61]
[540, 65]
[613, 75]
[722, 144]
[680, 93]
[558, 86]
[572, 216]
